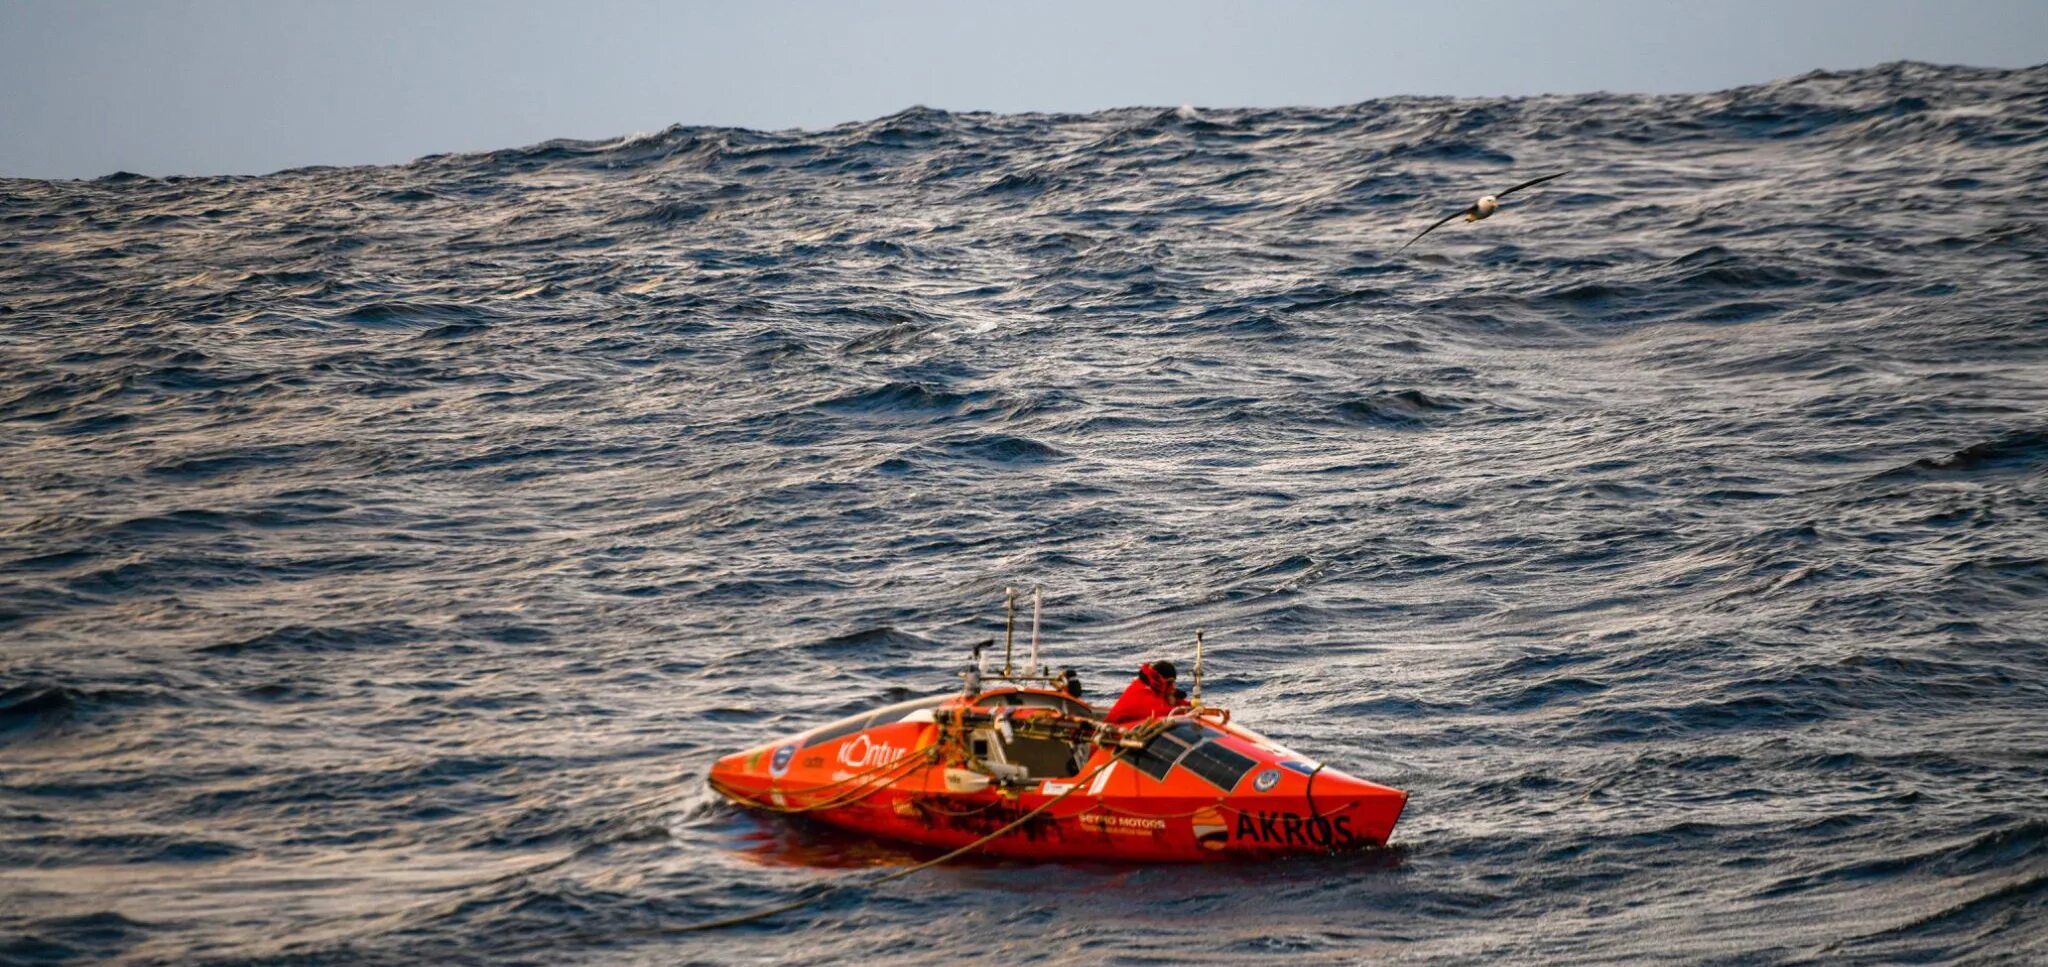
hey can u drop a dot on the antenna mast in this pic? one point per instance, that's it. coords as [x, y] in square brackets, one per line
[1009, 625]
[1198, 669]
[1037, 599]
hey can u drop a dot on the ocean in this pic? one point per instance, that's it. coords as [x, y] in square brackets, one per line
[387, 552]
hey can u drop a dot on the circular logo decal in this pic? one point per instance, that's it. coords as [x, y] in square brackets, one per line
[780, 764]
[1266, 780]
[1211, 829]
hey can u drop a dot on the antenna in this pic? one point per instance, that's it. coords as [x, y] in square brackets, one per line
[1037, 599]
[1009, 625]
[1198, 669]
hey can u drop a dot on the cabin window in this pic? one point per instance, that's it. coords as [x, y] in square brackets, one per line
[901, 710]
[1191, 746]
[1221, 767]
[1158, 755]
[839, 729]
[882, 716]
[1188, 732]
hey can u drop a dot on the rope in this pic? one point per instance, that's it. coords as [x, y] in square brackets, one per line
[1141, 734]
[1218, 804]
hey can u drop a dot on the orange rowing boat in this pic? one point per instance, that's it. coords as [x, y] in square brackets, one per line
[1023, 771]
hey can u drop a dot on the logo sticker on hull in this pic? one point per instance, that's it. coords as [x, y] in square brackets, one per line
[1211, 829]
[1266, 780]
[863, 752]
[1111, 824]
[1287, 829]
[780, 764]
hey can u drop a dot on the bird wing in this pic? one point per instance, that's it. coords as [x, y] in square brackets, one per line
[1418, 236]
[1526, 184]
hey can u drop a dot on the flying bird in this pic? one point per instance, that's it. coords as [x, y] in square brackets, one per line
[1485, 206]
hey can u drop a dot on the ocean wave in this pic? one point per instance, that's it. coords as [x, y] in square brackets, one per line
[389, 550]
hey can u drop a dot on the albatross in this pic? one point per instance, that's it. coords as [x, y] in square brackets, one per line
[1486, 205]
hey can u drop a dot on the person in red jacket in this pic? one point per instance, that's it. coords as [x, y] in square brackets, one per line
[1152, 695]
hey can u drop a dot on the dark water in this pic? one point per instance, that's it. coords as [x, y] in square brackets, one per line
[388, 551]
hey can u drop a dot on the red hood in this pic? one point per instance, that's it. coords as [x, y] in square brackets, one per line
[1160, 685]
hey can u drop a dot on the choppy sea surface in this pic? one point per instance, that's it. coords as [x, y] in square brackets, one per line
[386, 553]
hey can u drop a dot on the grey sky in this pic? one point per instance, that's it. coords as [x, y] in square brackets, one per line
[88, 87]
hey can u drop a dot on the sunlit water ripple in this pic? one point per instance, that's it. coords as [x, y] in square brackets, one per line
[389, 551]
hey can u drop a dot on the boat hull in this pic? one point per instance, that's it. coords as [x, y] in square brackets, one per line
[1246, 798]
[1138, 832]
